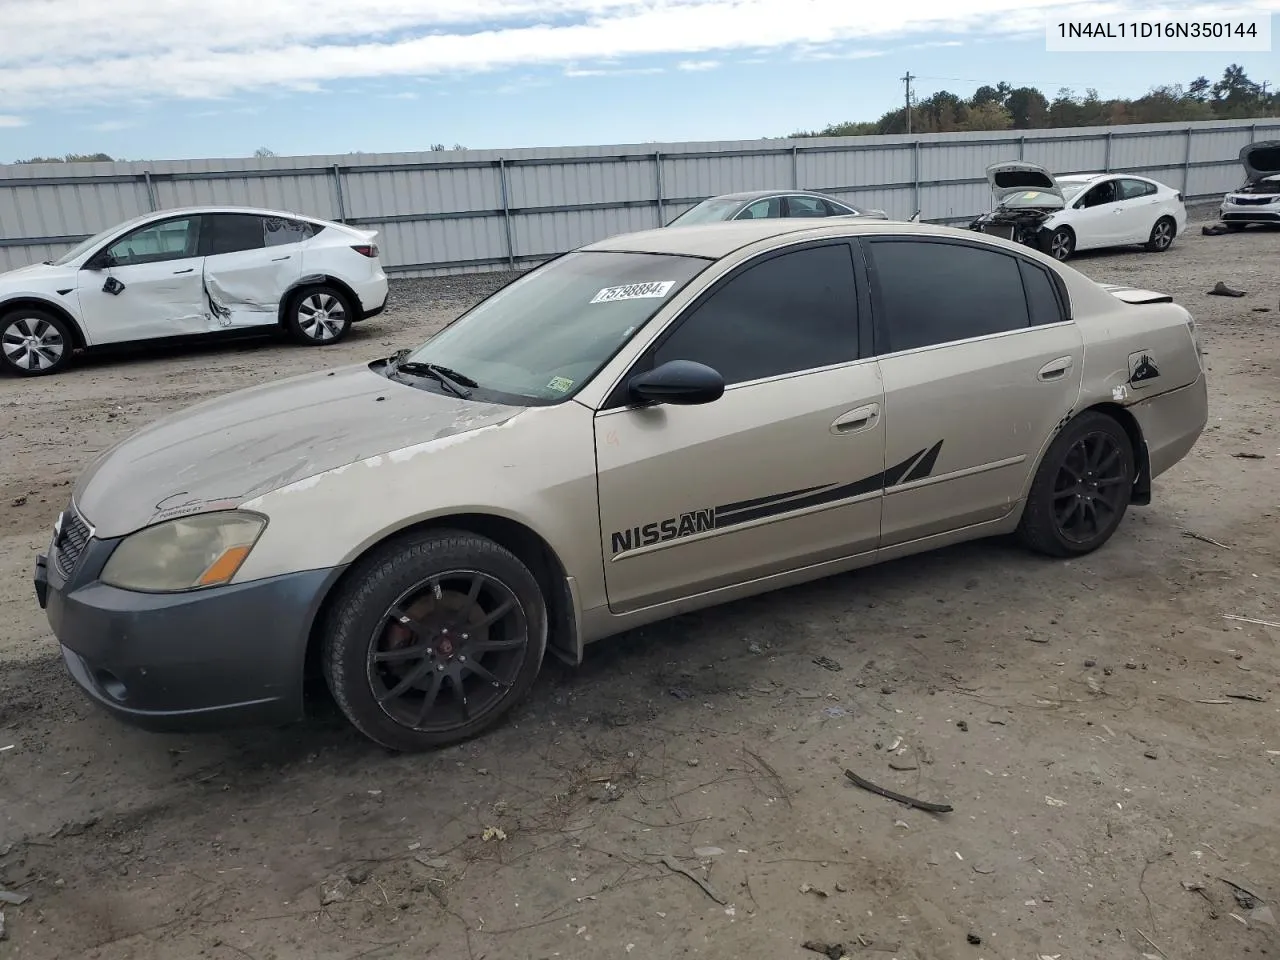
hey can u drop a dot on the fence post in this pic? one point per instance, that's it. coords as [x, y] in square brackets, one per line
[795, 167]
[657, 176]
[506, 212]
[1106, 157]
[1186, 165]
[1022, 148]
[1253, 133]
[337, 187]
[151, 190]
[915, 175]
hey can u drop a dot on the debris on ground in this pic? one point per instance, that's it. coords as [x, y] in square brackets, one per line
[706, 853]
[671, 864]
[1213, 229]
[1246, 455]
[680, 693]
[493, 833]
[832, 951]
[902, 765]
[13, 899]
[1151, 755]
[974, 939]
[1220, 289]
[1251, 697]
[816, 891]
[1261, 309]
[963, 726]
[1203, 539]
[925, 805]
[826, 663]
[834, 712]
[1260, 623]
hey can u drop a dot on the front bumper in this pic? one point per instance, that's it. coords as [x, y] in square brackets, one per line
[210, 659]
[1247, 215]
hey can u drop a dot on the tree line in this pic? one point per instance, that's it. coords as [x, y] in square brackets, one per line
[1006, 107]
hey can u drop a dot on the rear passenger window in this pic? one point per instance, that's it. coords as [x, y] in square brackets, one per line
[1042, 298]
[929, 293]
[233, 232]
[792, 312]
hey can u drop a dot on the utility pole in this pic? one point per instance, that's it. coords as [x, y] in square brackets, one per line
[907, 80]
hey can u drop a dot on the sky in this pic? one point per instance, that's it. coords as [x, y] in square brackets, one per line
[165, 79]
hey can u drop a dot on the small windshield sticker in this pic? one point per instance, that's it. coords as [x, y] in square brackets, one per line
[654, 290]
[560, 384]
[1031, 195]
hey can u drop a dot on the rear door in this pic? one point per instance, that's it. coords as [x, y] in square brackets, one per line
[783, 471]
[1140, 208]
[802, 206]
[979, 362]
[250, 261]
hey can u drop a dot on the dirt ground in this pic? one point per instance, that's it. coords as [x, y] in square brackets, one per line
[1108, 739]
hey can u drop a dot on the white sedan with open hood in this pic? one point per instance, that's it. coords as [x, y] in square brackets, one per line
[191, 273]
[1080, 211]
[1258, 199]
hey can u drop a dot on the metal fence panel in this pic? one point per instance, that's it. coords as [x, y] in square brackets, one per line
[461, 211]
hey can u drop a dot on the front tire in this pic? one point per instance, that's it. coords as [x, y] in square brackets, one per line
[1162, 234]
[1081, 489]
[319, 316]
[434, 639]
[34, 343]
[1061, 244]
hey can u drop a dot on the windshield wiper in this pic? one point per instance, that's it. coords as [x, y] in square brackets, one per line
[453, 381]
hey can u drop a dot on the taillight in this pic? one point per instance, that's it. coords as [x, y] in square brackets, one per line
[366, 250]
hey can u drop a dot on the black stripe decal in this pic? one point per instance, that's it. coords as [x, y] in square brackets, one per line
[925, 466]
[915, 467]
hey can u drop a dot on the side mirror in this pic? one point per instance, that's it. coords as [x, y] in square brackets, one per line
[677, 381]
[100, 261]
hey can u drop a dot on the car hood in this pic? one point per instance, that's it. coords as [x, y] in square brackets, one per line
[1261, 160]
[21, 276]
[220, 453]
[1017, 183]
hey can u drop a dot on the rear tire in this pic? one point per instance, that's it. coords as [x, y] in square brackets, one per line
[1162, 234]
[434, 639]
[34, 343]
[1081, 488]
[1061, 244]
[318, 316]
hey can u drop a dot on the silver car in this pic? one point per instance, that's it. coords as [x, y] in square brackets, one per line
[771, 205]
[1258, 198]
[652, 424]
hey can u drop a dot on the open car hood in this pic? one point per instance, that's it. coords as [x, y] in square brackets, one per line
[1017, 183]
[1261, 160]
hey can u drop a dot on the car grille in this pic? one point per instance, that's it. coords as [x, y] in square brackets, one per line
[72, 540]
[1252, 201]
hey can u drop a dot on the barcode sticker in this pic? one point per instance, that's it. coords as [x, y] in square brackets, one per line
[654, 290]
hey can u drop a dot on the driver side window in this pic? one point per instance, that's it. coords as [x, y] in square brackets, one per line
[1103, 193]
[157, 242]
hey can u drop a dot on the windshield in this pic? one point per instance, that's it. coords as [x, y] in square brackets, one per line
[541, 338]
[708, 211]
[84, 246]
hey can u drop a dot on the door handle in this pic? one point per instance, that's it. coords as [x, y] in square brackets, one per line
[855, 420]
[1055, 369]
[188, 270]
[278, 259]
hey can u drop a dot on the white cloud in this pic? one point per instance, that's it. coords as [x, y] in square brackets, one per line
[110, 126]
[195, 49]
[695, 65]
[8, 120]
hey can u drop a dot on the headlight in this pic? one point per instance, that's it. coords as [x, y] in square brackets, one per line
[189, 553]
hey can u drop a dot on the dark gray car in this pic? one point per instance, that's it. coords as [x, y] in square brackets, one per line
[771, 205]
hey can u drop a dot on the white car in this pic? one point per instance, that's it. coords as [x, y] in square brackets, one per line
[191, 273]
[1080, 211]
[1258, 199]
[771, 205]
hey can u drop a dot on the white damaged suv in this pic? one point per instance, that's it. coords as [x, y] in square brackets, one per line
[196, 272]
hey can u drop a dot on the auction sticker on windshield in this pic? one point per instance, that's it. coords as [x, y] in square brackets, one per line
[654, 290]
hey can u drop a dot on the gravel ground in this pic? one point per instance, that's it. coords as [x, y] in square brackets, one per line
[1081, 717]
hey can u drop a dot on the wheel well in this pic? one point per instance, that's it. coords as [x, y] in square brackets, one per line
[34, 303]
[1142, 483]
[319, 280]
[532, 550]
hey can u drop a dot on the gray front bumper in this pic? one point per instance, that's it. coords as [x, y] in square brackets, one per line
[224, 656]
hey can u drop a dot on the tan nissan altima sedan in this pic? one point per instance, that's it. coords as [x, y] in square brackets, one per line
[648, 425]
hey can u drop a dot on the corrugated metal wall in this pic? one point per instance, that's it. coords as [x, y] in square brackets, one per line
[461, 211]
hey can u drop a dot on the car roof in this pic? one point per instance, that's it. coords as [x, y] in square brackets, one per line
[220, 208]
[756, 194]
[716, 240]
